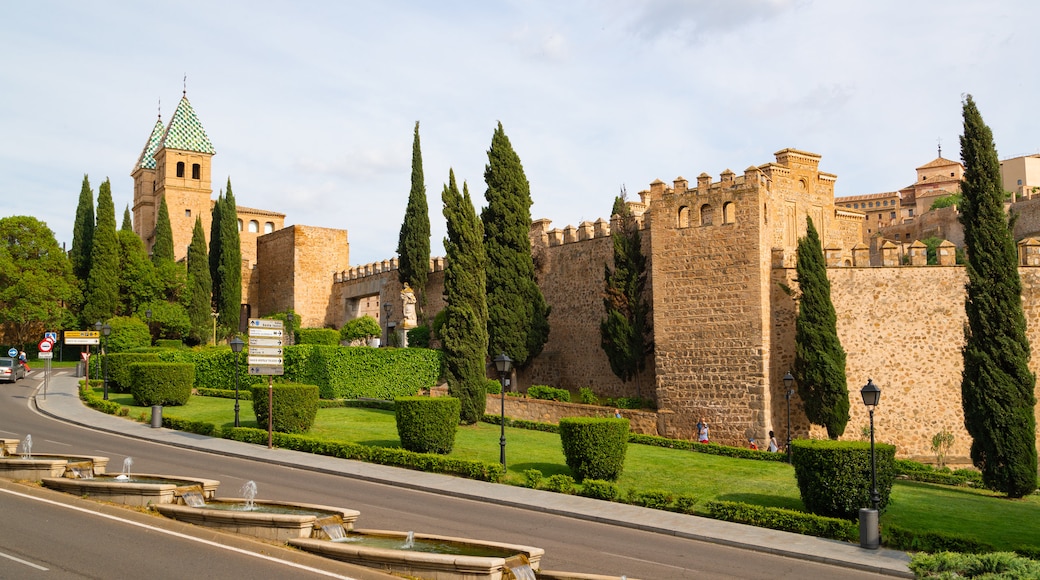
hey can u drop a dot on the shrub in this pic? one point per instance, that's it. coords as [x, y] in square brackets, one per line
[158, 383]
[941, 444]
[594, 447]
[532, 478]
[630, 403]
[493, 387]
[684, 504]
[834, 477]
[427, 424]
[587, 397]
[127, 333]
[652, 498]
[930, 541]
[360, 330]
[784, 519]
[953, 565]
[419, 337]
[169, 343]
[559, 483]
[548, 393]
[599, 489]
[326, 336]
[119, 368]
[294, 406]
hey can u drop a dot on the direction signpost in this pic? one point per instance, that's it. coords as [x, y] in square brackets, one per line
[265, 359]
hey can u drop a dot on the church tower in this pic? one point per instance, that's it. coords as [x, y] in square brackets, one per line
[175, 164]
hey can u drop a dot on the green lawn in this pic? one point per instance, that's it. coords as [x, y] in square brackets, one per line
[968, 512]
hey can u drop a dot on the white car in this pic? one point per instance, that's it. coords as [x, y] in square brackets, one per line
[11, 370]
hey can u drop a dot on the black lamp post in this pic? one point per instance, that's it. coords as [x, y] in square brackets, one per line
[504, 364]
[148, 319]
[788, 386]
[105, 330]
[387, 309]
[871, 395]
[236, 347]
[291, 338]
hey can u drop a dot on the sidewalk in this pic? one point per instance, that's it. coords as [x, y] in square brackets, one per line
[62, 401]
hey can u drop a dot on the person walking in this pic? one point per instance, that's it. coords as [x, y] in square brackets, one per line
[773, 447]
[702, 431]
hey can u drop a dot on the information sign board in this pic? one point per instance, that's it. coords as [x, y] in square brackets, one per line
[276, 371]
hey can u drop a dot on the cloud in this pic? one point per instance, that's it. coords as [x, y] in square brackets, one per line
[692, 22]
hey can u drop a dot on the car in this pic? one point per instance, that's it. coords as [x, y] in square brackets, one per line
[11, 370]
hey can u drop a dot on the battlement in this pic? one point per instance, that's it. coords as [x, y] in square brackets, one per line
[541, 234]
[896, 255]
[377, 268]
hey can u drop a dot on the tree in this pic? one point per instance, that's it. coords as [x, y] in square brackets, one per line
[137, 281]
[102, 291]
[464, 334]
[83, 232]
[200, 286]
[227, 297]
[128, 222]
[518, 316]
[162, 248]
[624, 333]
[819, 360]
[997, 387]
[413, 243]
[35, 280]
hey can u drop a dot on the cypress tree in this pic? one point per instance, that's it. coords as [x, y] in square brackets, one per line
[518, 316]
[997, 387]
[819, 363]
[464, 334]
[214, 246]
[413, 243]
[162, 248]
[624, 332]
[137, 280]
[128, 222]
[83, 232]
[200, 286]
[229, 269]
[102, 291]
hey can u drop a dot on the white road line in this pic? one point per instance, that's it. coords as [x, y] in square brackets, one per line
[21, 561]
[58, 442]
[180, 535]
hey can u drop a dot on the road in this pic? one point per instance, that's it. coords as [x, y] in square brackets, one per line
[570, 544]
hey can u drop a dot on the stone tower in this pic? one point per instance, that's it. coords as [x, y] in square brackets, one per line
[175, 164]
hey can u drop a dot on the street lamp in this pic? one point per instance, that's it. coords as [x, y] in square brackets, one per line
[105, 330]
[788, 386]
[214, 314]
[290, 339]
[869, 538]
[148, 317]
[387, 309]
[236, 347]
[504, 364]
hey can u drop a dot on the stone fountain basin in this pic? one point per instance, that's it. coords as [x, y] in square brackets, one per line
[422, 564]
[44, 465]
[108, 488]
[8, 446]
[262, 522]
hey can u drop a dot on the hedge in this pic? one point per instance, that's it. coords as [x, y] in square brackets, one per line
[834, 477]
[547, 393]
[294, 406]
[899, 538]
[594, 447]
[784, 519]
[158, 383]
[325, 336]
[119, 368]
[427, 424]
[992, 566]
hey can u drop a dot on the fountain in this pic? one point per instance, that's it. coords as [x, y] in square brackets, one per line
[26, 465]
[270, 520]
[27, 447]
[125, 474]
[8, 447]
[133, 489]
[427, 555]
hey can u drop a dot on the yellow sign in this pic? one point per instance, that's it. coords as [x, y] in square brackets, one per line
[82, 334]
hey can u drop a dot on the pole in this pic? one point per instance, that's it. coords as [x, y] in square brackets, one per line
[236, 390]
[788, 426]
[104, 365]
[502, 438]
[86, 366]
[875, 497]
[270, 411]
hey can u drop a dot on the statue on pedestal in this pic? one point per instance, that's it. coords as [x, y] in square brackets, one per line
[408, 300]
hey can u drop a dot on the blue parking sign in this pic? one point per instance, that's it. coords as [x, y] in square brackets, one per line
[51, 335]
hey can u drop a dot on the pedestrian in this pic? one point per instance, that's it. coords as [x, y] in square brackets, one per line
[702, 431]
[773, 447]
[617, 413]
[22, 360]
[752, 444]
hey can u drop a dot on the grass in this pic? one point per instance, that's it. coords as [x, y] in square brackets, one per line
[979, 514]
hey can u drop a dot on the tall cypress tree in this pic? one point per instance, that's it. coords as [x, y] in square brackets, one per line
[229, 268]
[624, 333]
[137, 280]
[83, 232]
[997, 387]
[518, 316]
[128, 222]
[464, 335]
[162, 248]
[214, 246]
[413, 243]
[200, 286]
[102, 291]
[819, 359]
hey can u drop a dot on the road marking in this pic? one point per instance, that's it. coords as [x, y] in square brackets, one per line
[182, 536]
[21, 561]
[58, 442]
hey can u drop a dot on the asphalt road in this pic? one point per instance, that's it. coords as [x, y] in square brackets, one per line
[570, 544]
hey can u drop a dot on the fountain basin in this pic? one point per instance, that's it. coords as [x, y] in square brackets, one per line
[270, 520]
[141, 490]
[427, 565]
[8, 446]
[46, 465]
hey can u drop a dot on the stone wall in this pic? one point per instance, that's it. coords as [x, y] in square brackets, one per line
[296, 271]
[540, 411]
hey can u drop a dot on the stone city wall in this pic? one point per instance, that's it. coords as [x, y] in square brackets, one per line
[541, 411]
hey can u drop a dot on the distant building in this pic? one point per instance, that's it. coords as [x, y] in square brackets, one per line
[1021, 176]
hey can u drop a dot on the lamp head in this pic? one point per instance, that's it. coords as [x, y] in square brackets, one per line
[504, 364]
[148, 313]
[871, 394]
[236, 344]
[788, 380]
[97, 326]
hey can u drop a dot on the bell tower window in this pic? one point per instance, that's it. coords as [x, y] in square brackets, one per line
[196, 171]
[180, 169]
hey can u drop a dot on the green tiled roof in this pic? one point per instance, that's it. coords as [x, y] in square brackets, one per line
[185, 132]
[147, 158]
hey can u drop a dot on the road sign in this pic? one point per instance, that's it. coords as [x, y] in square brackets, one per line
[266, 350]
[13, 352]
[265, 361]
[272, 332]
[45, 346]
[82, 337]
[265, 341]
[264, 323]
[84, 356]
[45, 355]
[266, 370]
[53, 336]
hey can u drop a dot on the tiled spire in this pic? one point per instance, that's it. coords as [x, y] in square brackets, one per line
[147, 158]
[185, 132]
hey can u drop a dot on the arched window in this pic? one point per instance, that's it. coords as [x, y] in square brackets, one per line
[239, 225]
[684, 217]
[729, 213]
[180, 169]
[196, 171]
[706, 215]
[268, 227]
[254, 226]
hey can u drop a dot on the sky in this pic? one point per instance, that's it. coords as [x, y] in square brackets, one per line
[311, 105]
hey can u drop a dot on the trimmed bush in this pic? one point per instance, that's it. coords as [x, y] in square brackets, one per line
[169, 343]
[493, 387]
[587, 397]
[294, 406]
[127, 333]
[599, 489]
[360, 330]
[992, 566]
[559, 483]
[548, 393]
[326, 336]
[427, 424]
[784, 519]
[657, 499]
[419, 337]
[930, 541]
[834, 476]
[158, 383]
[532, 478]
[119, 368]
[594, 447]
[685, 504]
